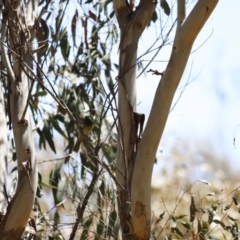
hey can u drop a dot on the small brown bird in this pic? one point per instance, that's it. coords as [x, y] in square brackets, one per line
[87, 127]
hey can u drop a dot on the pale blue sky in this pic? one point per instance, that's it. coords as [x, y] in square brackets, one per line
[209, 109]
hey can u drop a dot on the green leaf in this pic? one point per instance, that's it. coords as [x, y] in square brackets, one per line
[165, 7]
[86, 226]
[100, 227]
[40, 94]
[160, 217]
[180, 216]
[177, 231]
[111, 223]
[102, 188]
[116, 66]
[232, 219]
[168, 237]
[228, 228]
[211, 237]
[42, 141]
[47, 131]
[111, 14]
[154, 17]
[192, 209]
[227, 207]
[43, 184]
[57, 127]
[211, 214]
[200, 230]
[59, 117]
[84, 163]
[205, 227]
[224, 236]
[55, 178]
[186, 225]
[56, 218]
[235, 201]
[219, 222]
[14, 156]
[205, 182]
[14, 169]
[64, 44]
[109, 152]
[234, 231]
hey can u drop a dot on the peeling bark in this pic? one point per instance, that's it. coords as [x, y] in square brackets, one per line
[131, 24]
[133, 161]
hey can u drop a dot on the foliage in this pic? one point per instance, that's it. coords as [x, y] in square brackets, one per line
[74, 80]
[73, 63]
[204, 209]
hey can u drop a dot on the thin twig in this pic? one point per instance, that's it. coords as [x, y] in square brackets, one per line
[84, 204]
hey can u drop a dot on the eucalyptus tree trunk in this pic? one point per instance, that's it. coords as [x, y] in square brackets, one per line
[131, 24]
[17, 43]
[135, 159]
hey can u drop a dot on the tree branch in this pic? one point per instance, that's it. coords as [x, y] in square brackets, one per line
[181, 11]
[121, 11]
[19, 209]
[184, 38]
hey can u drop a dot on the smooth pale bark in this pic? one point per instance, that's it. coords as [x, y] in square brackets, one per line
[186, 33]
[20, 37]
[3, 154]
[131, 24]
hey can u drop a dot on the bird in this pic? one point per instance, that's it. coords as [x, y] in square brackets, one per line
[86, 129]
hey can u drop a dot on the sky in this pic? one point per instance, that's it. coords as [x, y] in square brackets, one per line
[208, 111]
